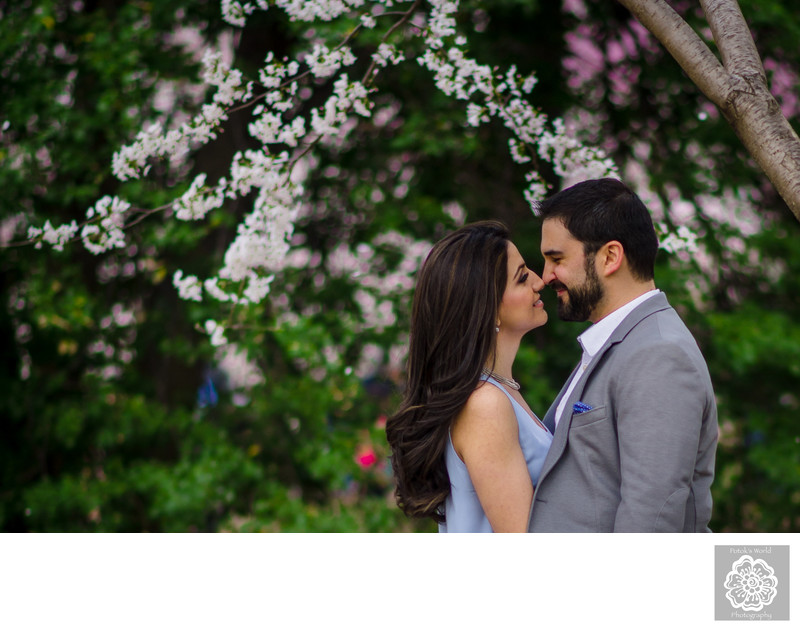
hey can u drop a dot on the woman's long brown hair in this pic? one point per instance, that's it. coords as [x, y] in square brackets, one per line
[458, 294]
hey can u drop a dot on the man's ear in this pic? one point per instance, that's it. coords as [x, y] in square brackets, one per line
[610, 257]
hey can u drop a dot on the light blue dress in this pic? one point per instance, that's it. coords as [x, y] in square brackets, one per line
[463, 510]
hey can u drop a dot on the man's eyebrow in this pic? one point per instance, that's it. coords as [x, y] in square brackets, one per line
[552, 253]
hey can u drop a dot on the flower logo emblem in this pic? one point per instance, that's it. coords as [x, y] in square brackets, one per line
[751, 584]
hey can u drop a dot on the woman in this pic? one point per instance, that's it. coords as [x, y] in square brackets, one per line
[467, 450]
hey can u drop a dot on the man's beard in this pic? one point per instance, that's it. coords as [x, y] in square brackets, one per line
[582, 299]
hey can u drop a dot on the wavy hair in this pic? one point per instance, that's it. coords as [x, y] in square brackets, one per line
[459, 289]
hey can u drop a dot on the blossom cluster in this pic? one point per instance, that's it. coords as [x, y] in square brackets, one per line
[236, 13]
[682, 239]
[388, 54]
[199, 199]
[57, 237]
[502, 96]
[113, 348]
[240, 371]
[377, 292]
[216, 331]
[189, 287]
[131, 161]
[324, 62]
[275, 172]
[108, 231]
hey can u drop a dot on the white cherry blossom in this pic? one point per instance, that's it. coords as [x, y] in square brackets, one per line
[275, 172]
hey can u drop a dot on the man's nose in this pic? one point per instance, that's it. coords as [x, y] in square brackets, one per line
[547, 274]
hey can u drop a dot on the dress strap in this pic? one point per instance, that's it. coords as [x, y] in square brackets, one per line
[514, 403]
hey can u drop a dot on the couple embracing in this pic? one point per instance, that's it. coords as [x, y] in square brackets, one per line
[629, 443]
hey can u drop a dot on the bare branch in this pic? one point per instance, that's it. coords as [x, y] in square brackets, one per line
[733, 37]
[680, 40]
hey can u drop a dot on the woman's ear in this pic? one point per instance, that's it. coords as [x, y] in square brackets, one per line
[610, 257]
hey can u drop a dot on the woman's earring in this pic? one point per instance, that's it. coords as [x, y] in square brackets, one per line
[497, 329]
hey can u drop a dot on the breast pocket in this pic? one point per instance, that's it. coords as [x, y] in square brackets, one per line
[597, 415]
[594, 450]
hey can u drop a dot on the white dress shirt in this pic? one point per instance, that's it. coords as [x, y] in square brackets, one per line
[593, 338]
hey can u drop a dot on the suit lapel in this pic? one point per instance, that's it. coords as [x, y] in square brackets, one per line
[550, 418]
[647, 308]
[562, 429]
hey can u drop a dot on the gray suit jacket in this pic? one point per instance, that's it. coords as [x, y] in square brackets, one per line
[642, 460]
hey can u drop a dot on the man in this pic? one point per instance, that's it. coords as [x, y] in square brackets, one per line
[635, 426]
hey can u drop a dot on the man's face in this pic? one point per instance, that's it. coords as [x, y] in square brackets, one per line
[570, 273]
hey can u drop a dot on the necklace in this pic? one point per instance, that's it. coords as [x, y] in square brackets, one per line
[506, 382]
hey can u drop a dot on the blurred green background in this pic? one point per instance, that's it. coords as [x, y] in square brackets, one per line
[118, 415]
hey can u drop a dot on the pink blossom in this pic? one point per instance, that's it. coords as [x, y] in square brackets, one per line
[365, 457]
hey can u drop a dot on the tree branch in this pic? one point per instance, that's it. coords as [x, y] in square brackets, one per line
[680, 40]
[739, 89]
[733, 38]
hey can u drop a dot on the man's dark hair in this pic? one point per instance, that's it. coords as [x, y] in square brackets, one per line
[598, 211]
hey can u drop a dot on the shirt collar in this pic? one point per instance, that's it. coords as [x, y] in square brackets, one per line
[593, 338]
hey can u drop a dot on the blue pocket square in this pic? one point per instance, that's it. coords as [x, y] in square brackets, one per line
[580, 408]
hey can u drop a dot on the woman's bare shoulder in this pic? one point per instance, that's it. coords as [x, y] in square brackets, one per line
[487, 415]
[487, 400]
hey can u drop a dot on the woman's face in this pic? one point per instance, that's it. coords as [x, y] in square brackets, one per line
[521, 308]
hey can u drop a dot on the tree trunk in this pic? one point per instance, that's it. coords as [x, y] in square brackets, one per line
[737, 85]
